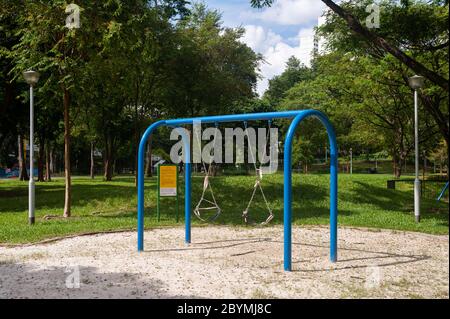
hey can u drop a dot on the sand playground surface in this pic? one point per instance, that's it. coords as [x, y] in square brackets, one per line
[226, 262]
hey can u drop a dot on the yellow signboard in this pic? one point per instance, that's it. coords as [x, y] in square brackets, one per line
[168, 180]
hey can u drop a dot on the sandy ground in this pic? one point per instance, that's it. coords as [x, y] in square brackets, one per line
[225, 262]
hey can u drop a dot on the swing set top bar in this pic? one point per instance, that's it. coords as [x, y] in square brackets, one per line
[297, 117]
[236, 117]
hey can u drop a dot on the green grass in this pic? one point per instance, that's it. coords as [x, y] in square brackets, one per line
[364, 201]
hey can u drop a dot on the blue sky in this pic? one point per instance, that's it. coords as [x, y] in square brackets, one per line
[278, 32]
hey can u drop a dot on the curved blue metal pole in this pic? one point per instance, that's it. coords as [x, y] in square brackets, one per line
[141, 164]
[187, 187]
[140, 173]
[288, 185]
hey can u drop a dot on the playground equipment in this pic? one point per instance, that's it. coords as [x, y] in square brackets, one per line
[298, 117]
[442, 192]
[207, 186]
[257, 185]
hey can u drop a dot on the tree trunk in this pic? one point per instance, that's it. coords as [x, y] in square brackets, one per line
[394, 167]
[48, 166]
[149, 170]
[67, 199]
[108, 169]
[395, 163]
[92, 172]
[40, 163]
[23, 175]
[448, 161]
[398, 160]
[108, 159]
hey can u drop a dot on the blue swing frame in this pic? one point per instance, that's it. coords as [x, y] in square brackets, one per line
[298, 117]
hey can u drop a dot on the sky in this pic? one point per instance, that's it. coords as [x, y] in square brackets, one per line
[278, 32]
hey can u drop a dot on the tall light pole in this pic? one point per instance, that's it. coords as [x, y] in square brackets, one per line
[32, 78]
[416, 82]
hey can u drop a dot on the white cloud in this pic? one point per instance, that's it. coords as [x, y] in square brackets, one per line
[289, 12]
[259, 39]
[277, 51]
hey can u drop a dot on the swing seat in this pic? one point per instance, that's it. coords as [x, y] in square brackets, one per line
[248, 220]
[259, 176]
[207, 186]
[206, 208]
[198, 210]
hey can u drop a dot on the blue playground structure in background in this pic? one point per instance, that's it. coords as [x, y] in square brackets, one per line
[14, 173]
[442, 192]
[298, 117]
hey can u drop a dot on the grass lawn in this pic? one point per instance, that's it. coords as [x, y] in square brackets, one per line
[103, 206]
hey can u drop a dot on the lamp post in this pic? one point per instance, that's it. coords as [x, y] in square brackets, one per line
[416, 82]
[32, 78]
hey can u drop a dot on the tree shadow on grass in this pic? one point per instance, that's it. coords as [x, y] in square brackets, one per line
[309, 201]
[21, 280]
[392, 200]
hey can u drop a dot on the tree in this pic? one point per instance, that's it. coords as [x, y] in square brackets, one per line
[211, 68]
[14, 119]
[414, 33]
[370, 106]
[420, 29]
[294, 73]
[381, 43]
[61, 53]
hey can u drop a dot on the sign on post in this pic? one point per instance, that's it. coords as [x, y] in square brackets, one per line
[167, 184]
[168, 180]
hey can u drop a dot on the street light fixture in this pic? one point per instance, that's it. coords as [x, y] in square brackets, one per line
[416, 82]
[32, 78]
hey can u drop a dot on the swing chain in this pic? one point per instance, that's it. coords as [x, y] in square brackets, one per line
[206, 185]
[257, 184]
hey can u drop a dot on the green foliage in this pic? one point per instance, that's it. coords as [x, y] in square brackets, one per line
[212, 69]
[130, 64]
[419, 28]
[363, 90]
[294, 73]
